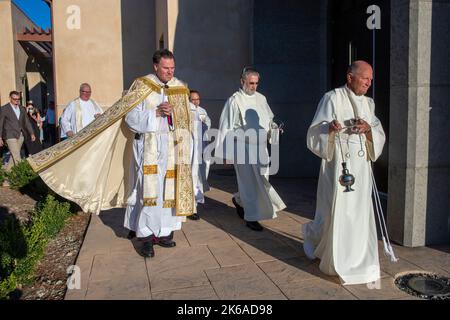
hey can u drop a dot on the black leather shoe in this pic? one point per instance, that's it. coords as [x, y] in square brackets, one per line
[147, 249]
[131, 235]
[239, 209]
[165, 242]
[194, 216]
[254, 225]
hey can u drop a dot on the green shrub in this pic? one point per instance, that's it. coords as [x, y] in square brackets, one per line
[2, 173]
[21, 175]
[12, 245]
[23, 245]
[23, 178]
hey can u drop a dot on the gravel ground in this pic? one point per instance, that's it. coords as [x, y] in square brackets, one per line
[13, 202]
[60, 253]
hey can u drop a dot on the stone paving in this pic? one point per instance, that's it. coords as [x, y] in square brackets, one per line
[218, 257]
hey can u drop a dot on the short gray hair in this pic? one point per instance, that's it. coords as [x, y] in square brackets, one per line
[85, 85]
[249, 71]
[351, 68]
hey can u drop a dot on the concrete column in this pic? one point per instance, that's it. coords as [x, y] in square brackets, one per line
[166, 22]
[161, 25]
[35, 82]
[409, 207]
[7, 63]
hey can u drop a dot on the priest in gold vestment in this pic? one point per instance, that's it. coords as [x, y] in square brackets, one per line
[138, 155]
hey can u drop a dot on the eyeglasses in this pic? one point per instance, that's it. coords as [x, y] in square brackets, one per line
[85, 91]
[15, 99]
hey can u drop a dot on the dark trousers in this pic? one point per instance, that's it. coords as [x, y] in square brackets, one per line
[49, 135]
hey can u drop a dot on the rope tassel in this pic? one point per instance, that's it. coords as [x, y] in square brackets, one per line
[388, 250]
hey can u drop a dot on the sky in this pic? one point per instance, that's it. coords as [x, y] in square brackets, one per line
[37, 10]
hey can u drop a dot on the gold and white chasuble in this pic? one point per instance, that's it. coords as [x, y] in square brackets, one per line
[93, 168]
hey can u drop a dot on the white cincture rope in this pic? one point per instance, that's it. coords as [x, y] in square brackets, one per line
[384, 234]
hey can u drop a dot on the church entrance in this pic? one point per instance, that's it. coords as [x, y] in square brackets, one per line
[351, 39]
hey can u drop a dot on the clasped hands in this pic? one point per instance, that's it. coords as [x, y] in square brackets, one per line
[361, 126]
[164, 109]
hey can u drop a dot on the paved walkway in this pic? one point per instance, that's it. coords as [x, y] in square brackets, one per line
[218, 257]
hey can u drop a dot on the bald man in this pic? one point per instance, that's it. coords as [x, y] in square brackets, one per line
[343, 234]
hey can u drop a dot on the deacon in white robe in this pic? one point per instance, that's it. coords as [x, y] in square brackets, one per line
[200, 165]
[248, 118]
[79, 112]
[343, 234]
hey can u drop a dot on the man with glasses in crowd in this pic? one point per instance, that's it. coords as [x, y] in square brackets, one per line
[13, 124]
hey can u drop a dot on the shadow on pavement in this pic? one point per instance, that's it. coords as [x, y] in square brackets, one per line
[288, 249]
[275, 243]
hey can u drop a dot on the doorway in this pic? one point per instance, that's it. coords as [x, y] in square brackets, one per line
[351, 40]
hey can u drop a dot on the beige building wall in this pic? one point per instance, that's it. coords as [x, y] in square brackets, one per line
[172, 22]
[106, 43]
[13, 59]
[20, 21]
[7, 67]
[87, 47]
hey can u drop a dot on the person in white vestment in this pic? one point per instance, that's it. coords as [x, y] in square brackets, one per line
[245, 126]
[153, 224]
[200, 165]
[343, 234]
[79, 112]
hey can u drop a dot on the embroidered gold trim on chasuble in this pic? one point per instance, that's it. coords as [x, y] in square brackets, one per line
[141, 88]
[185, 200]
[153, 169]
[47, 157]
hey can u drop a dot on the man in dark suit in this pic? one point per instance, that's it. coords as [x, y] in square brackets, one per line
[13, 124]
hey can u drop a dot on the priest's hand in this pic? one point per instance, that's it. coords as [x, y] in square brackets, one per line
[97, 115]
[334, 126]
[1, 142]
[361, 127]
[69, 133]
[33, 137]
[164, 109]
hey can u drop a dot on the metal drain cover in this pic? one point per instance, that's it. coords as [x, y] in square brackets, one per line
[425, 285]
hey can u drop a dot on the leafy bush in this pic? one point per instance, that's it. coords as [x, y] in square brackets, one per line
[21, 175]
[21, 246]
[12, 245]
[23, 178]
[2, 173]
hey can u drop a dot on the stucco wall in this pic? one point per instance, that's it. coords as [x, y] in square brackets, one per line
[13, 59]
[91, 53]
